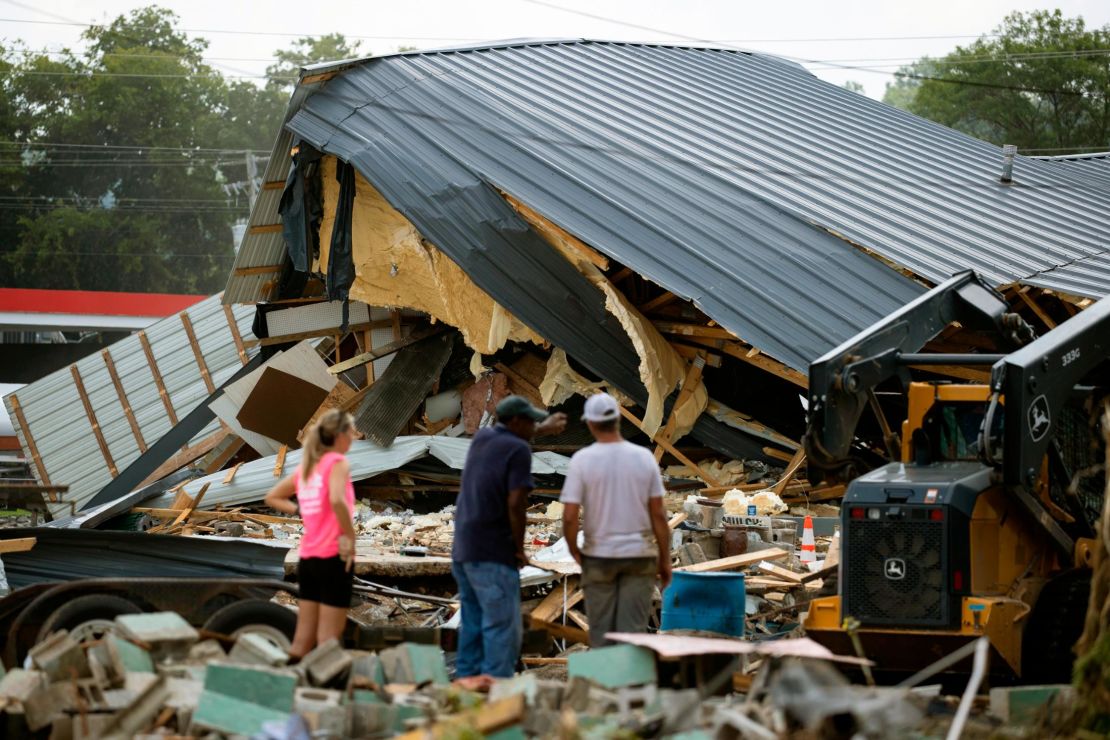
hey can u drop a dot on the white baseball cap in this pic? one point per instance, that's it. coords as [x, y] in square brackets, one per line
[601, 407]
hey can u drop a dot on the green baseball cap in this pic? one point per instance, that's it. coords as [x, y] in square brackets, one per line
[511, 406]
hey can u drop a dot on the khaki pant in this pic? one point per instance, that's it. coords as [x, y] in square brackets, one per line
[618, 595]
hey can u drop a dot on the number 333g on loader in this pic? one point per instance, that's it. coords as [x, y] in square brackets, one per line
[982, 526]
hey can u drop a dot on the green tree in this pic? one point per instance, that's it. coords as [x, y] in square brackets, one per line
[122, 154]
[333, 47]
[854, 86]
[1040, 81]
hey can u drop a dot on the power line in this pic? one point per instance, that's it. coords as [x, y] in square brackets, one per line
[186, 75]
[71, 145]
[125, 254]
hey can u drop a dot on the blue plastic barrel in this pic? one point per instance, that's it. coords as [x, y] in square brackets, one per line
[709, 602]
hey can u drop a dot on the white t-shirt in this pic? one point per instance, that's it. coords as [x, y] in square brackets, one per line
[613, 481]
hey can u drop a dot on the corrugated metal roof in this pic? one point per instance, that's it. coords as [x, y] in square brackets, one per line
[700, 130]
[255, 478]
[1095, 166]
[56, 415]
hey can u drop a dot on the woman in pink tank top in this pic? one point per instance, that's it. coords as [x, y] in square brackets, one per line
[326, 502]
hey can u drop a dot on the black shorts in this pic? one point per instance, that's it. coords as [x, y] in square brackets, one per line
[325, 580]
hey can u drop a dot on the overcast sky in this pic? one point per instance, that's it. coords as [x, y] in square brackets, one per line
[877, 34]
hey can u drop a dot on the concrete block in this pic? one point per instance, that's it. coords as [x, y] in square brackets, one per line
[20, 684]
[361, 696]
[323, 710]
[254, 649]
[184, 693]
[45, 705]
[325, 663]
[614, 667]
[1023, 705]
[127, 657]
[238, 700]
[207, 651]
[60, 657]
[366, 671]
[140, 713]
[525, 684]
[167, 633]
[410, 663]
[370, 719]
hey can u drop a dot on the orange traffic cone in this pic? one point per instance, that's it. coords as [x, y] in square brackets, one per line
[809, 545]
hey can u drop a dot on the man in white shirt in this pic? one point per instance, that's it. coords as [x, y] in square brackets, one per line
[617, 486]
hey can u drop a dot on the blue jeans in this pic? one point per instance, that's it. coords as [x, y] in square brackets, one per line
[490, 632]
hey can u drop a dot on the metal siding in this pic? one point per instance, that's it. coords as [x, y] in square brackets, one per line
[60, 426]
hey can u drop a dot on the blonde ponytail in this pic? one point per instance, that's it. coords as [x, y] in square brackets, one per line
[321, 437]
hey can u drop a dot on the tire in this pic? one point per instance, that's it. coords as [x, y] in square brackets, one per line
[273, 621]
[1054, 627]
[87, 617]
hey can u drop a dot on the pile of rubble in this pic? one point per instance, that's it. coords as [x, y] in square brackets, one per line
[153, 675]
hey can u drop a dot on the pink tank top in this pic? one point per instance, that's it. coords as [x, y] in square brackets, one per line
[321, 528]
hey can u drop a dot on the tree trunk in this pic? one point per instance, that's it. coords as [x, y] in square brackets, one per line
[1092, 670]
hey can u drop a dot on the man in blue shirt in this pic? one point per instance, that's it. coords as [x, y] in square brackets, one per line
[489, 537]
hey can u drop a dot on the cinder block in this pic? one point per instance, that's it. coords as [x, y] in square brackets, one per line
[410, 663]
[1022, 705]
[60, 657]
[366, 671]
[238, 700]
[614, 667]
[525, 684]
[20, 684]
[167, 633]
[323, 709]
[42, 707]
[325, 663]
[254, 649]
[207, 651]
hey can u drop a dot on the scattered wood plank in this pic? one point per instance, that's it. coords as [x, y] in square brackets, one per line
[21, 544]
[779, 572]
[208, 516]
[1036, 309]
[326, 332]
[579, 618]
[186, 456]
[560, 631]
[817, 495]
[677, 519]
[735, 562]
[543, 661]
[552, 604]
[279, 463]
[791, 470]
[671, 449]
[26, 430]
[189, 510]
[231, 473]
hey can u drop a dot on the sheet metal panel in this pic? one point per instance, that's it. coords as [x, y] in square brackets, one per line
[572, 128]
[60, 426]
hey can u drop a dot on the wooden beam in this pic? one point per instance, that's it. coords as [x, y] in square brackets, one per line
[735, 562]
[189, 510]
[132, 422]
[322, 77]
[274, 185]
[233, 327]
[201, 364]
[557, 235]
[385, 350]
[561, 631]
[671, 449]
[29, 439]
[791, 470]
[762, 361]
[621, 274]
[1040, 312]
[687, 352]
[207, 516]
[231, 473]
[694, 330]
[20, 544]
[279, 462]
[266, 229]
[689, 383]
[90, 413]
[552, 605]
[657, 302]
[260, 270]
[213, 464]
[153, 365]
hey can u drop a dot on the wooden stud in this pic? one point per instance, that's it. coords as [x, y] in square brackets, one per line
[551, 608]
[1044, 317]
[395, 317]
[233, 326]
[215, 464]
[322, 77]
[778, 454]
[657, 302]
[279, 463]
[201, 364]
[762, 361]
[620, 275]
[274, 185]
[260, 270]
[29, 439]
[189, 509]
[21, 544]
[266, 229]
[91, 414]
[734, 562]
[153, 365]
[790, 472]
[387, 349]
[186, 456]
[135, 430]
[671, 449]
[231, 473]
[688, 353]
[694, 330]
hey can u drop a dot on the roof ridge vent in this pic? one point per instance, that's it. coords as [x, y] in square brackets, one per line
[1009, 151]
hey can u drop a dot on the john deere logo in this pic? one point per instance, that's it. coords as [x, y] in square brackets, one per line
[1039, 418]
[894, 569]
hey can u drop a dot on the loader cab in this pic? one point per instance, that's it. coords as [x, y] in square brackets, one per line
[943, 422]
